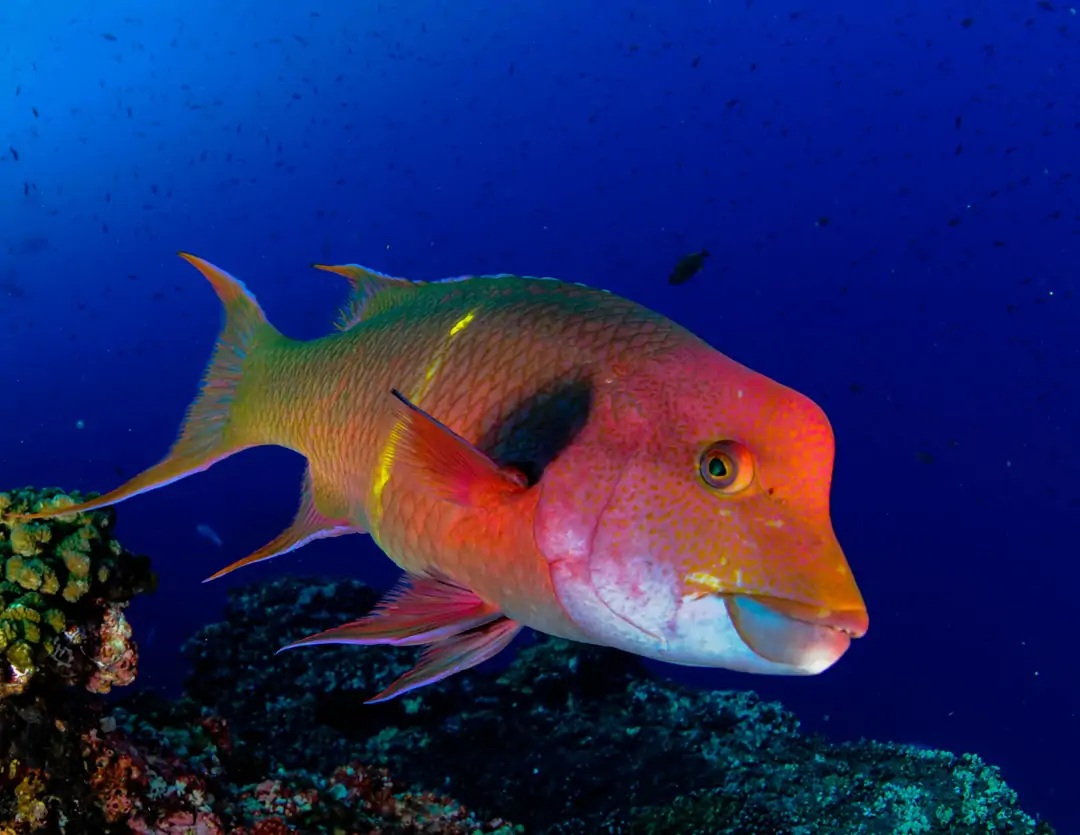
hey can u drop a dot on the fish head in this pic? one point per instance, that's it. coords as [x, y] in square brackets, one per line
[689, 521]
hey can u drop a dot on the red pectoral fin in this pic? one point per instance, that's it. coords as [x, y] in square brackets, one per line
[460, 629]
[419, 610]
[453, 655]
[445, 462]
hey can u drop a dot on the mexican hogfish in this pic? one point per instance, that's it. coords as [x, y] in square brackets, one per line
[542, 454]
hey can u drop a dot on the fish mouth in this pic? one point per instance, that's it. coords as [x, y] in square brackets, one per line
[807, 638]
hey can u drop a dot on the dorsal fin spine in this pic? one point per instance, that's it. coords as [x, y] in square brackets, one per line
[366, 285]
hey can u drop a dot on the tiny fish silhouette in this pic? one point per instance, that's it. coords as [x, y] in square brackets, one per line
[688, 267]
[209, 533]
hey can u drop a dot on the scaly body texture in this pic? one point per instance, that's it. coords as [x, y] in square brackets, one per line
[536, 453]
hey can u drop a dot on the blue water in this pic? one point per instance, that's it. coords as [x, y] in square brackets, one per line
[885, 187]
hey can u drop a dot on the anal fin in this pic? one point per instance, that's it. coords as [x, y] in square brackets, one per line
[459, 629]
[308, 525]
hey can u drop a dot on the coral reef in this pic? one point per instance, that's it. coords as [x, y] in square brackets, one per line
[64, 584]
[566, 740]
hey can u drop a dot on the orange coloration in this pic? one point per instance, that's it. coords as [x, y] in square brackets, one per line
[536, 453]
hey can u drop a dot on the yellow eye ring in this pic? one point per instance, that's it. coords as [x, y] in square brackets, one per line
[727, 467]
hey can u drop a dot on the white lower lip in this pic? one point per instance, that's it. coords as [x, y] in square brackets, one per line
[807, 647]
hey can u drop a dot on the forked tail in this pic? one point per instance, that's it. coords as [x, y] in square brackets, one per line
[209, 432]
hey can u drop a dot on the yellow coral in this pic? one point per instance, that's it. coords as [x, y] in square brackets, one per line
[75, 589]
[19, 612]
[58, 501]
[26, 574]
[21, 656]
[56, 620]
[76, 562]
[50, 583]
[26, 540]
[29, 808]
[77, 544]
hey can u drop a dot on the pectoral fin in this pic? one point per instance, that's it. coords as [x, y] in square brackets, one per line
[445, 462]
[453, 655]
[459, 629]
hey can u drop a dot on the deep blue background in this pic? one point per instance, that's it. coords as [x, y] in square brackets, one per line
[933, 315]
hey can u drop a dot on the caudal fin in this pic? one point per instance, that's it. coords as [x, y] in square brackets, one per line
[208, 433]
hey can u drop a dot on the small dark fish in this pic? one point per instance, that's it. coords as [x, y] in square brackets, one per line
[14, 153]
[687, 267]
[109, 36]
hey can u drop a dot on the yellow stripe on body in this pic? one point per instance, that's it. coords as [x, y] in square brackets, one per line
[386, 456]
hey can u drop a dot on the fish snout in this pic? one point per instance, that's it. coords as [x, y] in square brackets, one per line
[854, 621]
[808, 639]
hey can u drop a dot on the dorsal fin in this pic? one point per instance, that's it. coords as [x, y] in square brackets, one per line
[372, 292]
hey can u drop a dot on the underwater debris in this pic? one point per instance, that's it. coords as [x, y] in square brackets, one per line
[578, 739]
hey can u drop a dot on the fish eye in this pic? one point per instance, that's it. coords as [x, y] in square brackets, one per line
[727, 467]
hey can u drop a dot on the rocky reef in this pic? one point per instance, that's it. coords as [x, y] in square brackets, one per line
[570, 738]
[567, 740]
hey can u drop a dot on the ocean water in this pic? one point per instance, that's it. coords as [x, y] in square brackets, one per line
[886, 190]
